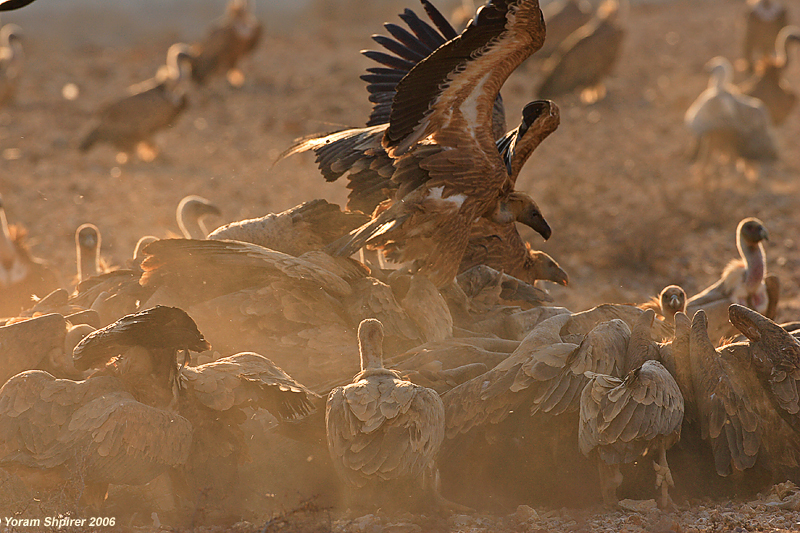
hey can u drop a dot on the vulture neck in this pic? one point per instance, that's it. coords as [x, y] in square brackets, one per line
[371, 356]
[7, 251]
[190, 224]
[721, 75]
[755, 263]
[524, 147]
[782, 45]
[88, 261]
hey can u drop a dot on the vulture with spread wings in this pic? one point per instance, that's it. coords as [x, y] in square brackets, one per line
[141, 413]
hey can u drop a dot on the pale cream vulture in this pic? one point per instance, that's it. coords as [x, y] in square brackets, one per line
[743, 281]
[768, 85]
[381, 428]
[22, 276]
[763, 21]
[307, 227]
[301, 312]
[87, 247]
[728, 123]
[227, 42]
[585, 58]
[151, 106]
[11, 59]
[671, 300]
[563, 18]
[623, 417]
[191, 212]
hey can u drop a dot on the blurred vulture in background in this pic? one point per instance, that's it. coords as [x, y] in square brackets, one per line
[301, 312]
[8, 5]
[671, 300]
[743, 282]
[130, 123]
[384, 431]
[763, 21]
[563, 17]
[87, 248]
[767, 83]
[585, 58]
[11, 59]
[22, 276]
[728, 123]
[227, 42]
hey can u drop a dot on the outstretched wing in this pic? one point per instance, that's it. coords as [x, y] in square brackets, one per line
[248, 379]
[48, 422]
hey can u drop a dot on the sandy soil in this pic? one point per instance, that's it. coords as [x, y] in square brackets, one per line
[628, 214]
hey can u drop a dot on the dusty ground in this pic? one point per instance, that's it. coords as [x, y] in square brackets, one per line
[628, 216]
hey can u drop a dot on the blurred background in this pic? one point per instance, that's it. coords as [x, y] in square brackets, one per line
[615, 181]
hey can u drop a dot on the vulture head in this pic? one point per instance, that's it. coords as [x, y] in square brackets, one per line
[370, 343]
[520, 207]
[771, 344]
[751, 231]
[159, 329]
[672, 300]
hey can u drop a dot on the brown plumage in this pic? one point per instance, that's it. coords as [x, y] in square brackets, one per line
[358, 152]
[585, 58]
[763, 21]
[742, 281]
[501, 247]
[307, 227]
[737, 406]
[11, 59]
[671, 300]
[191, 213]
[301, 312]
[382, 428]
[767, 83]
[22, 276]
[232, 38]
[621, 418]
[151, 106]
[44, 342]
[142, 412]
[117, 427]
[563, 18]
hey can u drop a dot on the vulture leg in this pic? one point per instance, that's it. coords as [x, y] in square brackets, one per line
[610, 480]
[663, 478]
[94, 496]
[432, 480]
